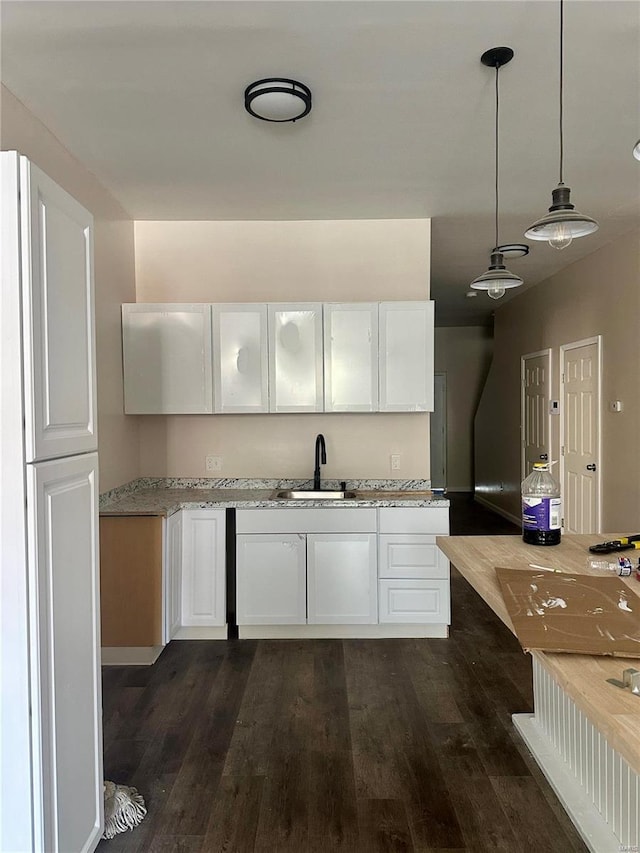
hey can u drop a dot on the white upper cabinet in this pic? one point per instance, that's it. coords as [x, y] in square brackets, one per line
[56, 235]
[240, 373]
[351, 357]
[295, 357]
[406, 356]
[167, 359]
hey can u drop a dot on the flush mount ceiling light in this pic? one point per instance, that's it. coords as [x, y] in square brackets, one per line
[497, 278]
[277, 99]
[636, 150]
[513, 250]
[563, 223]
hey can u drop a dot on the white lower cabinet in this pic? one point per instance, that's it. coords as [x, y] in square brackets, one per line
[341, 579]
[271, 579]
[203, 588]
[413, 585]
[342, 572]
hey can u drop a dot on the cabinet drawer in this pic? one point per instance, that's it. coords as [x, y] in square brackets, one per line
[418, 519]
[311, 520]
[414, 556]
[414, 601]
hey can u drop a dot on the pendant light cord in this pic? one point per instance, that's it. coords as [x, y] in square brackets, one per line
[497, 242]
[561, 89]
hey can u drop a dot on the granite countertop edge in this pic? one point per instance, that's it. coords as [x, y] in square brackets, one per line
[164, 497]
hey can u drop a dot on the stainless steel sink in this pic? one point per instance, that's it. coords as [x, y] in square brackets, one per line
[313, 495]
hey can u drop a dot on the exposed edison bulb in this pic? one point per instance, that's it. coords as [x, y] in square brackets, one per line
[495, 291]
[562, 236]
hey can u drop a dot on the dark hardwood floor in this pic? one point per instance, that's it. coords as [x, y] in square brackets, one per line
[336, 745]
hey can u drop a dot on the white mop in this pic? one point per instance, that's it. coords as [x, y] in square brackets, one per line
[123, 809]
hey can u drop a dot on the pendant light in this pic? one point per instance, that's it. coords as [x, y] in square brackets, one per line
[497, 279]
[563, 222]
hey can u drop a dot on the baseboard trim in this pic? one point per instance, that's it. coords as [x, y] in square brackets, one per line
[484, 502]
[342, 632]
[201, 632]
[130, 655]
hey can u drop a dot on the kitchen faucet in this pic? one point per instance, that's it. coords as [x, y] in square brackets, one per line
[321, 456]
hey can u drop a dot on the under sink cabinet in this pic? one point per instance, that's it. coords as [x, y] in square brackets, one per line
[325, 572]
[278, 357]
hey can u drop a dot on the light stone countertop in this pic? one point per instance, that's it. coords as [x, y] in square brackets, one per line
[166, 496]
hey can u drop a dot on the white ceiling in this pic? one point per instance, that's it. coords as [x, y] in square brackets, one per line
[149, 96]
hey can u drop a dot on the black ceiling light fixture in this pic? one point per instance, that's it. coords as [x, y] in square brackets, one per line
[277, 99]
[563, 223]
[497, 279]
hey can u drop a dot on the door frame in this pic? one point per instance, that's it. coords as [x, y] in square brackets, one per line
[597, 340]
[443, 375]
[549, 353]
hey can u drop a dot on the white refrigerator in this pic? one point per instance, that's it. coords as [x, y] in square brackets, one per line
[51, 795]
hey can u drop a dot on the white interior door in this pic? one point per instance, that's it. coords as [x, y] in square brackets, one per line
[438, 432]
[535, 408]
[580, 436]
[64, 592]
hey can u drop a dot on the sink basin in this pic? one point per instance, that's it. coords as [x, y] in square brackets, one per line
[313, 495]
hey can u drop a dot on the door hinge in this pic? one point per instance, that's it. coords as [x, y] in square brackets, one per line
[562, 450]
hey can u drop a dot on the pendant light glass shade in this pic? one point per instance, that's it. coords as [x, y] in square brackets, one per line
[563, 223]
[497, 279]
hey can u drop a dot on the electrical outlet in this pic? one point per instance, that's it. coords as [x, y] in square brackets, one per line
[214, 463]
[395, 461]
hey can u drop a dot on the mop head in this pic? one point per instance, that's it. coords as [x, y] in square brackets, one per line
[123, 809]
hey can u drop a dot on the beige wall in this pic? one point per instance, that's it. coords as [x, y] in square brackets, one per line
[598, 295]
[463, 353]
[114, 279]
[365, 260]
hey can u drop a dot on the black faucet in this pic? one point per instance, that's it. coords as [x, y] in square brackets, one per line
[321, 457]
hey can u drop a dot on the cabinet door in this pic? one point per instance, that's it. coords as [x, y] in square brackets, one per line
[58, 319]
[271, 579]
[67, 707]
[295, 357]
[351, 357]
[203, 567]
[406, 356]
[167, 359]
[173, 576]
[414, 601]
[240, 365]
[342, 579]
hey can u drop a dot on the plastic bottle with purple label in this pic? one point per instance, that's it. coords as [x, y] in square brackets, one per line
[541, 507]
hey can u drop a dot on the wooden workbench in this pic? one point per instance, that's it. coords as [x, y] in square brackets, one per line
[584, 732]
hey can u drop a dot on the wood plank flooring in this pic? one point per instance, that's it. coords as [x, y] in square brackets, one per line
[352, 746]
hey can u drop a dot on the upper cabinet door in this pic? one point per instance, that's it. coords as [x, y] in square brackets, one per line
[351, 357]
[406, 356]
[240, 374]
[58, 319]
[167, 359]
[295, 357]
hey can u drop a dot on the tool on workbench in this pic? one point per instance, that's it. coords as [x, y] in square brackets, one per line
[626, 543]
